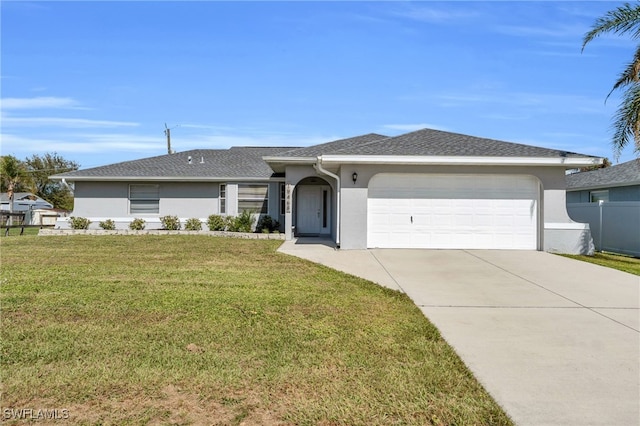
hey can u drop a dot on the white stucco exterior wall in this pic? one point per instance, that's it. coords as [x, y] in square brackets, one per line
[99, 201]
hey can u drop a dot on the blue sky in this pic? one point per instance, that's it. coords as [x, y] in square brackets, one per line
[97, 81]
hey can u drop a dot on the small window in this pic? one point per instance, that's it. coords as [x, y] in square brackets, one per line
[253, 197]
[283, 199]
[144, 199]
[599, 196]
[223, 198]
[325, 205]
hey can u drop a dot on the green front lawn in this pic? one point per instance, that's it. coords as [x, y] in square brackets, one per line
[15, 232]
[610, 260]
[198, 329]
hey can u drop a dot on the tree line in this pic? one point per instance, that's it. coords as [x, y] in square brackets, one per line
[32, 175]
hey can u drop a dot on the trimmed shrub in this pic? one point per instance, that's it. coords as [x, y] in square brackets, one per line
[137, 224]
[108, 225]
[193, 224]
[266, 224]
[243, 222]
[215, 222]
[171, 223]
[79, 222]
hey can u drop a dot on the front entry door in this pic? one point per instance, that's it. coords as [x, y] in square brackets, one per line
[309, 209]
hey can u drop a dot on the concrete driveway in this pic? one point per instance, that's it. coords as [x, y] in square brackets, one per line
[555, 341]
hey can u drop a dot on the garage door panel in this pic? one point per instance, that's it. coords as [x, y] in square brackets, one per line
[453, 211]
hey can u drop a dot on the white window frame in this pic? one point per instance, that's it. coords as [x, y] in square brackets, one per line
[150, 196]
[264, 200]
[283, 198]
[222, 199]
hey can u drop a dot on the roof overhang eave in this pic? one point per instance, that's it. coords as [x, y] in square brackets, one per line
[290, 160]
[166, 178]
[568, 162]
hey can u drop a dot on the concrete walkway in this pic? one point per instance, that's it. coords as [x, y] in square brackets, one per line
[555, 341]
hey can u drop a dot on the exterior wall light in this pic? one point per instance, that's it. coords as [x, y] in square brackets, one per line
[354, 176]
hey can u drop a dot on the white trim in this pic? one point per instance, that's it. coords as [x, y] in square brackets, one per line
[573, 225]
[319, 168]
[459, 160]
[307, 160]
[167, 179]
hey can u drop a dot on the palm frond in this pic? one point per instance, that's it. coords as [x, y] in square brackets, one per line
[622, 20]
[626, 124]
[630, 75]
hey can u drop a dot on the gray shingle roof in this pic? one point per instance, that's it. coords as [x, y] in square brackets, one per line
[247, 162]
[331, 147]
[429, 142]
[236, 162]
[619, 175]
[4, 197]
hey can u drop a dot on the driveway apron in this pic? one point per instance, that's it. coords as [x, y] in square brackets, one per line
[554, 340]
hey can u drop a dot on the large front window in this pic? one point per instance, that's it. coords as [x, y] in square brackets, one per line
[253, 197]
[144, 199]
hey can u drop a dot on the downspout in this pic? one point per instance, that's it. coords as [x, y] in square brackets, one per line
[64, 182]
[319, 168]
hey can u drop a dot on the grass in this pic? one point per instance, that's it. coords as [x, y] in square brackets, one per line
[610, 260]
[197, 329]
[15, 232]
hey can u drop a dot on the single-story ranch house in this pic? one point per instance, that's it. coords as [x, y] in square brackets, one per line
[424, 189]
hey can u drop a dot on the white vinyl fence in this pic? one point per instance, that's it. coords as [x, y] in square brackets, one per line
[615, 225]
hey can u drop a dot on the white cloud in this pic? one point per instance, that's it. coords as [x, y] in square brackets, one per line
[413, 127]
[223, 141]
[118, 144]
[559, 30]
[37, 103]
[436, 15]
[98, 143]
[62, 122]
[525, 102]
[505, 116]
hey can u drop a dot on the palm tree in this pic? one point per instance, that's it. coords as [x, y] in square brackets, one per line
[12, 172]
[626, 125]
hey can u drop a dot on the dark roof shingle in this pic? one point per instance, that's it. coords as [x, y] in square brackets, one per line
[623, 174]
[248, 162]
[333, 146]
[236, 162]
[429, 142]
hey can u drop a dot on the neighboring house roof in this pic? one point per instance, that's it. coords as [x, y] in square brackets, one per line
[25, 199]
[4, 197]
[623, 174]
[235, 163]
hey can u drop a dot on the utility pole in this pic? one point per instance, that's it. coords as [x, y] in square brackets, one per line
[167, 131]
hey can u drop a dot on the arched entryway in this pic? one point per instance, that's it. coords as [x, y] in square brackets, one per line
[313, 207]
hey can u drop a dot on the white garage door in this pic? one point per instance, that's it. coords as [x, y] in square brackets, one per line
[452, 211]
